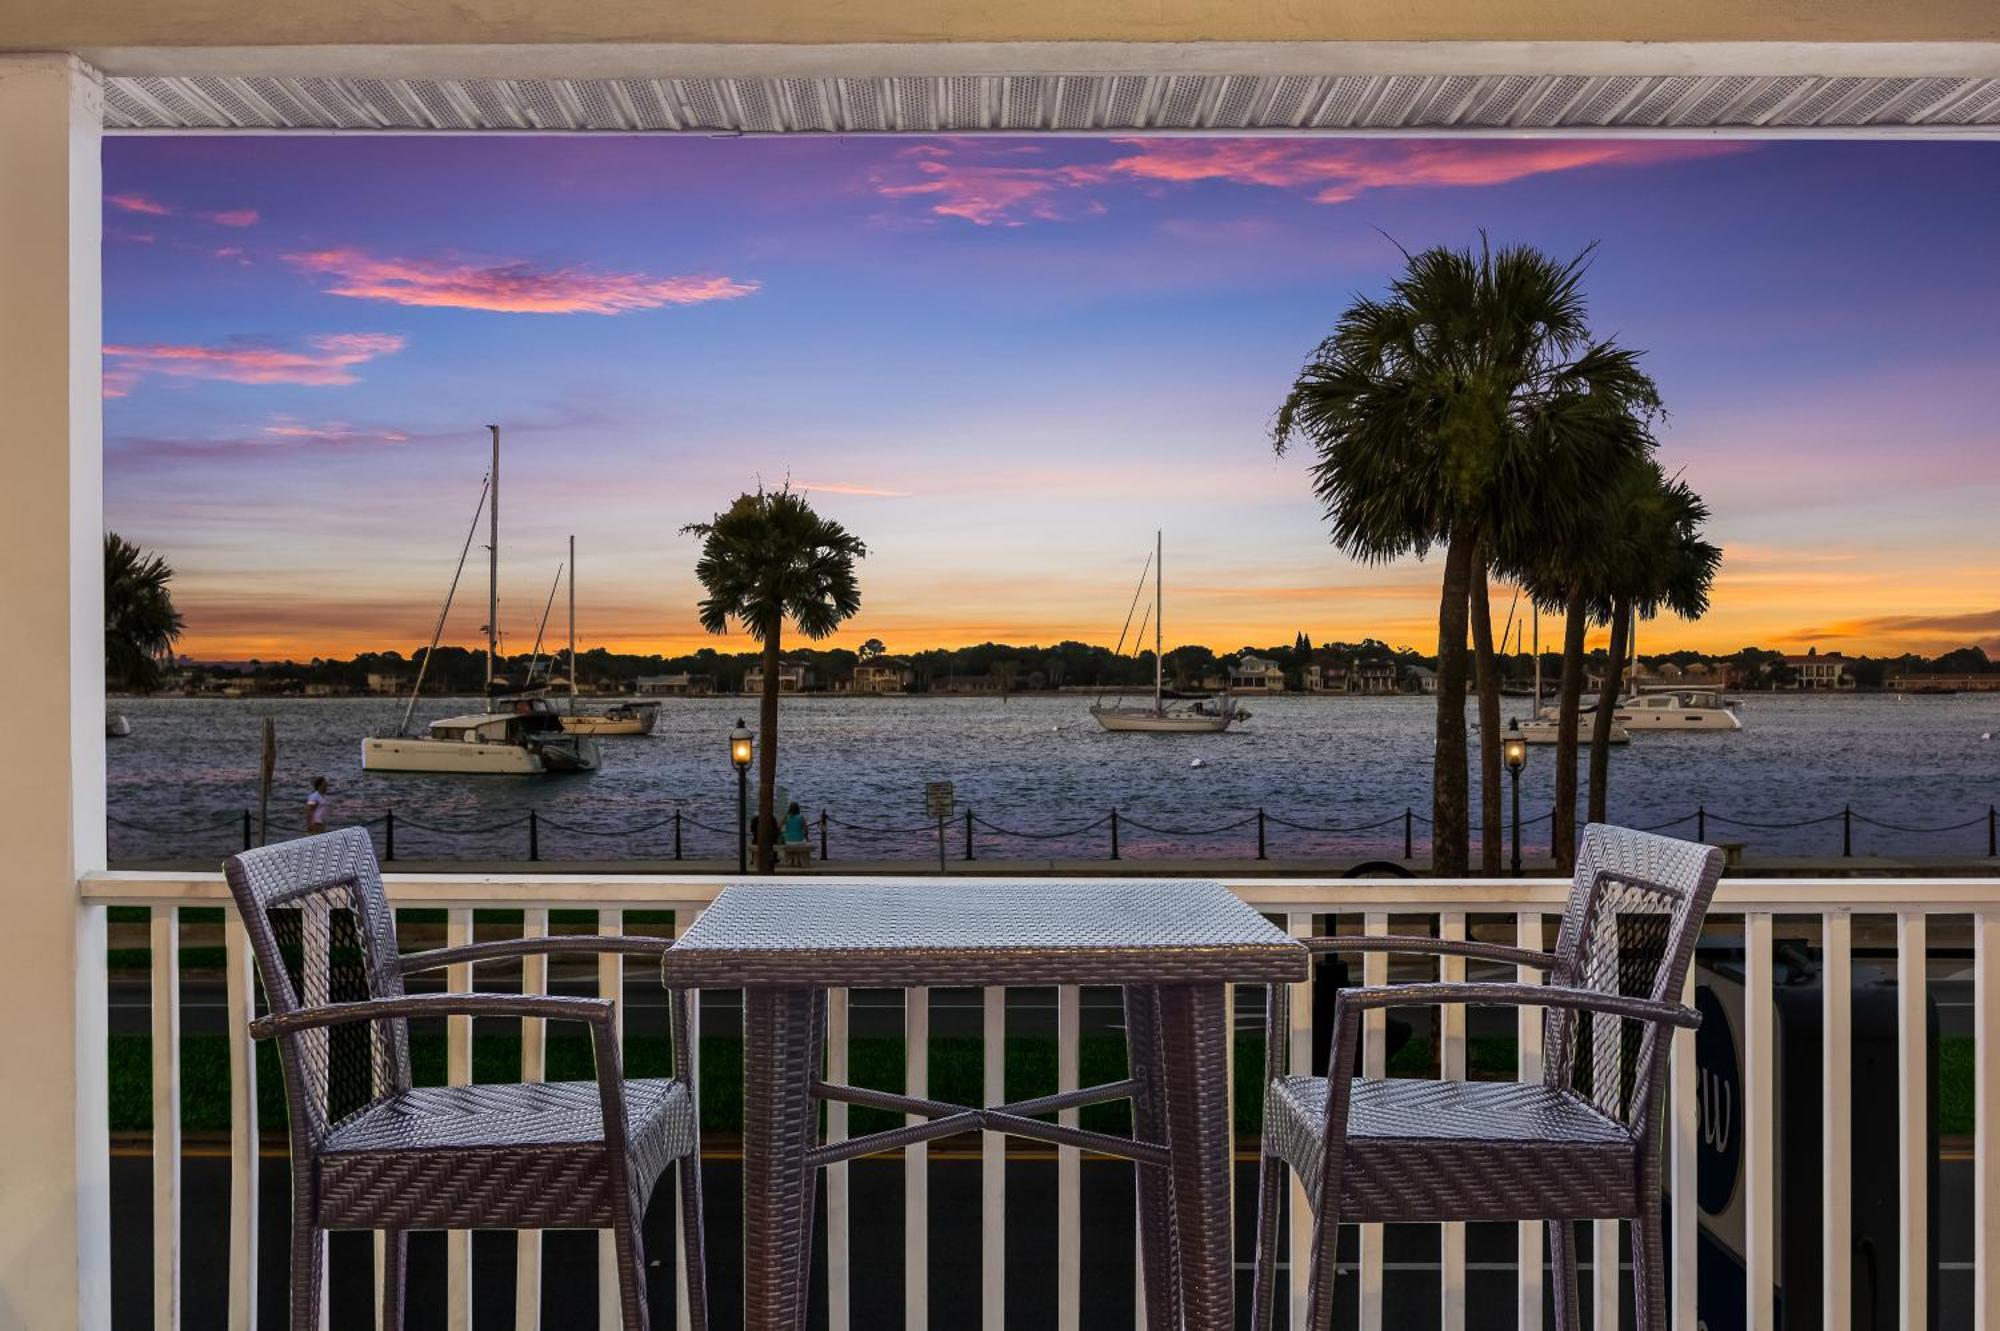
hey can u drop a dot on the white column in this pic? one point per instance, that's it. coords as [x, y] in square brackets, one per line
[55, 1264]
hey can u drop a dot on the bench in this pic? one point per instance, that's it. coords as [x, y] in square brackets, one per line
[798, 854]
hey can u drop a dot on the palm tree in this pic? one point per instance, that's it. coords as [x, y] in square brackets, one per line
[140, 622]
[765, 559]
[1658, 560]
[1467, 410]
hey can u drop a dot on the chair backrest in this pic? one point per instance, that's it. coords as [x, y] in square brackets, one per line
[322, 931]
[1635, 913]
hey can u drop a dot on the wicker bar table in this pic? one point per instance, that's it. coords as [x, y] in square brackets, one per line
[1174, 946]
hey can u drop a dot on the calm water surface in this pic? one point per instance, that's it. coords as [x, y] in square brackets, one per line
[179, 784]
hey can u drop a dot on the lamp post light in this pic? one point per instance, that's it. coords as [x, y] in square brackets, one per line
[741, 743]
[1514, 752]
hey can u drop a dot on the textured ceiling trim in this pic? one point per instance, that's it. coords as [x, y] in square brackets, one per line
[1044, 103]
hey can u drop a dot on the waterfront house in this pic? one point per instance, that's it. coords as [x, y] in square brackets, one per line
[1421, 679]
[881, 675]
[1817, 670]
[966, 684]
[1375, 678]
[1325, 673]
[793, 677]
[674, 686]
[1256, 674]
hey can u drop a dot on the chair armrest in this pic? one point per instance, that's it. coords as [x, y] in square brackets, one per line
[1359, 1000]
[411, 963]
[597, 1011]
[1447, 947]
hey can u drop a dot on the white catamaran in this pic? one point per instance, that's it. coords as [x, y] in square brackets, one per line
[520, 733]
[1207, 717]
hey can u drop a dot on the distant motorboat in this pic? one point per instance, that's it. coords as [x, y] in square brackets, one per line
[1210, 716]
[625, 718]
[1543, 730]
[116, 726]
[1677, 709]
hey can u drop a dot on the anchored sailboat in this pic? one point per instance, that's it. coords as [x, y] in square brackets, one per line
[624, 718]
[1203, 718]
[519, 734]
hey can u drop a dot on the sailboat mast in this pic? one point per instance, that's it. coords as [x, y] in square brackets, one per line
[1159, 607]
[493, 567]
[572, 623]
[1538, 662]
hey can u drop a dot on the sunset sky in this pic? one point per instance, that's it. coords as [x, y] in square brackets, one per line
[1002, 362]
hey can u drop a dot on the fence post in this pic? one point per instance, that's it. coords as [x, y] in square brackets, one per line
[1847, 832]
[1114, 834]
[1260, 834]
[246, 829]
[534, 837]
[1992, 825]
[677, 831]
[822, 836]
[1409, 853]
[389, 833]
[1701, 822]
[968, 833]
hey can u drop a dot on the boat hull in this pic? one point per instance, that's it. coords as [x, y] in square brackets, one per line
[1168, 723]
[413, 754]
[1544, 732]
[584, 723]
[1675, 718]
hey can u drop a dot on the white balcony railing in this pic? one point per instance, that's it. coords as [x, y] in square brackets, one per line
[1830, 905]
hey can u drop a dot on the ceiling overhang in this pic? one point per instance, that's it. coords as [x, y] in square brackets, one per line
[1626, 88]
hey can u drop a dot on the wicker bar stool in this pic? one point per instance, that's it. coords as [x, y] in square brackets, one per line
[1582, 1145]
[371, 1152]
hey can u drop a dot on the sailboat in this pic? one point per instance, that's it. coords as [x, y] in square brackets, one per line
[1544, 727]
[624, 718]
[519, 733]
[1208, 717]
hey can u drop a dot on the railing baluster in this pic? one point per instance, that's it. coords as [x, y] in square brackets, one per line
[241, 1007]
[611, 985]
[1374, 1063]
[1528, 1034]
[534, 1067]
[1912, 1120]
[1836, 1118]
[1451, 1067]
[1607, 1069]
[839, 1217]
[993, 1169]
[166, 959]
[683, 1306]
[916, 1165]
[1759, 1104]
[1069, 1199]
[458, 1072]
[1985, 1104]
[1684, 1139]
[1299, 1061]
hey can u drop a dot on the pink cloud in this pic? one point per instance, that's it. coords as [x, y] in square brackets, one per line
[988, 186]
[234, 217]
[138, 203]
[510, 286]
[333, 432]
[326, 360]
[840, 488]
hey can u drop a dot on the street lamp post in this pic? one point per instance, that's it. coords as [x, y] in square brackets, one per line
[741, 742]
[1514, 752]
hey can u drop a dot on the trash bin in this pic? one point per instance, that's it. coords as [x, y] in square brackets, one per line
[1720, 1181]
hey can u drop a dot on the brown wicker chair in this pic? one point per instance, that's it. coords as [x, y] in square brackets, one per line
[1583, 1145]
[369, 1151]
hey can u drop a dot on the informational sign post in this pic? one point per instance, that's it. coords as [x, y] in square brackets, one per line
[938, 804]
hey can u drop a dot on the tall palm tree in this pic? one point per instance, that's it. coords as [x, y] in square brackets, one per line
[140, 623]
[1658, 560]
[1464, 408]
[767, 558]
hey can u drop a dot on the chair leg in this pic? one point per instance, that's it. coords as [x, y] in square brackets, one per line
[308, 1273]
[1322, 1279]
[694, 1241]
[395, 1268]
[1562, 1267]
[1649, 1270]
[1271, 1178]
[631, 1249]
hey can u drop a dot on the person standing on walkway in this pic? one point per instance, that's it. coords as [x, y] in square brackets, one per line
[317, 804]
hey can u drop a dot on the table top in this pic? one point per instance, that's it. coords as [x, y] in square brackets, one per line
[822, 934]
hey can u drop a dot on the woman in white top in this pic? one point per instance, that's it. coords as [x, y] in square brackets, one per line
[317, 805]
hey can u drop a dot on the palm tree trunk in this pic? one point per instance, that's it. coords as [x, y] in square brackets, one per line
[1448, 793]
[767, 757]
[1607, 702]
[1486, 681]
[1562, 836]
